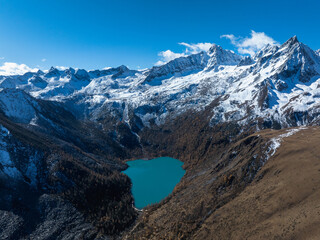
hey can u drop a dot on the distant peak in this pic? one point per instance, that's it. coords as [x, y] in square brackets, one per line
[53, 72]
[81, 74]
[70, 69]
[295, 38]
[214, 48]
[39, 72]
[291, 41]
[123, 68]
[52, 69]
[220, 56]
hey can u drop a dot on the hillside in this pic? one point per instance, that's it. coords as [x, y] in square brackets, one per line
[278, 201]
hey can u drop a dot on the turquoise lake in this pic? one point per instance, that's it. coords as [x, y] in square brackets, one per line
[153, 180]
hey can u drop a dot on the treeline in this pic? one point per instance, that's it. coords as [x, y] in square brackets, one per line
[105, 199]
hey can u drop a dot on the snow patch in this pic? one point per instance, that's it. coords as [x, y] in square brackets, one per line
[6, 164]
[276, 142]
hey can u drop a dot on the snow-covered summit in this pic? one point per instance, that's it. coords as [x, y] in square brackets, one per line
[179, 66]
[213, 58]
[220, 56]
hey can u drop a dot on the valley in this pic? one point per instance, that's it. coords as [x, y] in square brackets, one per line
[245, 128]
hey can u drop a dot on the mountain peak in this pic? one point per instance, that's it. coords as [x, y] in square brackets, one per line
[69, 70]
[123, 68]
[40, 72]
[294, 38]
[53, 72]
[182, 65]
[52, 69]
[220, 56]
[214, 48]
[81, 74]
[291, 41]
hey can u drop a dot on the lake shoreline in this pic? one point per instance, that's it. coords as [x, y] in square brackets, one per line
[153, 179]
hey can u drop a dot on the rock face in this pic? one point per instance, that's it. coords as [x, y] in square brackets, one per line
[56, 219]
[220, 56]
[65, 133]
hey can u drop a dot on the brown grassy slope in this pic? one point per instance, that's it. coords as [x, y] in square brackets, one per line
[229, 200]
[284, 204]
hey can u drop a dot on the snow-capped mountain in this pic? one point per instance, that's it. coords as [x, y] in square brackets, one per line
[279, 83]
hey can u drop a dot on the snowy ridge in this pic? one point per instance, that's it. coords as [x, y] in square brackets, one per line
[275, 143]
[18, 105]
[177, 67]
[278, 84]
[7, 167]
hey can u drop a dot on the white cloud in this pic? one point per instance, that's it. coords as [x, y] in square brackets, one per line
[250, 45]
[196, 47]
[193, 48]
[167, 56]
[61, 68]
[10, 68]
[43, 60]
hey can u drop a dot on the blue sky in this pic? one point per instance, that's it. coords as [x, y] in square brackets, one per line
[95, 34]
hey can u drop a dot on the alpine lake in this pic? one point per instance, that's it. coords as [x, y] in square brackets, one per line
[153, 180]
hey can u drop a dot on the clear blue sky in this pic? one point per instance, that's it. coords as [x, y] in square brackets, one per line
[94, 34]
